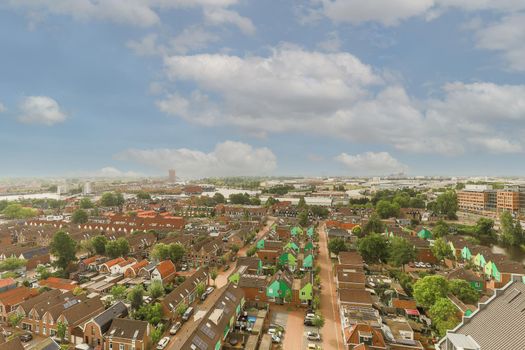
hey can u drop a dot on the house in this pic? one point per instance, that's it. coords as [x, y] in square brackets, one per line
[147, 270]
[72, 316]
[399, 335]
[7, 283]
[252, 263]
[306, 289]
[33, 309]
[289, 260]
[308, 262]
[364, 335]
[279, 289]
[355, 297]
[13, 344]
[351, 258]
[9, 300]
[496, 324]
[476, 281]
[254, 287]
[62, 284]
[95, 329]
[186, 292]
[90, 264]
[111, 266]
[350, 280]
[212, 330]
[126, 334]
[132, 271]
[165, 272]
[424, 234]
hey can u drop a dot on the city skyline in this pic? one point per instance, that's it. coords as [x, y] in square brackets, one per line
[227, 87]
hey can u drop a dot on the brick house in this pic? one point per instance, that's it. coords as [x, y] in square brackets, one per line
[95, 329]
[126, 334]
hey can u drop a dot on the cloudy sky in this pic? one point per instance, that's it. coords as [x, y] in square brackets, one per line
[274, 87]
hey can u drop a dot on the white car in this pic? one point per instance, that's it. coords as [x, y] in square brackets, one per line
[274, 331]
[276, 339]
[312, 346]
[209, 290]
[175, 328]
[313, 336]
[163, 343]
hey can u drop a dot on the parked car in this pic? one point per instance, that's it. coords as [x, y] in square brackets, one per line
[163, 343]
[209, 290]
[187, 314]
[308, 322]
[26, 337]
[276, 339]
[184, 267]
[174, 329]
[313, 336]
[312, 346]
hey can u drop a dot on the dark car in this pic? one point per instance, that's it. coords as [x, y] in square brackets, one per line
[308, 322]
[26, 337]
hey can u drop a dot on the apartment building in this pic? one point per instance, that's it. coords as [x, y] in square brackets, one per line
[482, 199]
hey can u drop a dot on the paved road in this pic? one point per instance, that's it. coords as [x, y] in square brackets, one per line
[331, 332]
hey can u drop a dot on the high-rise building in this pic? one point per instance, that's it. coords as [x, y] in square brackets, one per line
[87, 188]
[172, 175]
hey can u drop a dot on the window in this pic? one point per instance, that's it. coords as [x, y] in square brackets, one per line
[92, 330]
[44, 330]
[110, 346]
[121, 346]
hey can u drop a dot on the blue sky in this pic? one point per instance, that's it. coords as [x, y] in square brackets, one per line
[238, 87]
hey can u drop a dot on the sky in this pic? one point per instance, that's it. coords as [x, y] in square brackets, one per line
[120, 88]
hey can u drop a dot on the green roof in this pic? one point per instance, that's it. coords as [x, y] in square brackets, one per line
[425, 234]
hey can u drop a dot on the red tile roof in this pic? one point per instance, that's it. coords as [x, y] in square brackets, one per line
[58, 283]
[6, 282]
[166, 268]
[352, 335]
[16, 295]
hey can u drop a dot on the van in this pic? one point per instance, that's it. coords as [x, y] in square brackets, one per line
[187, 314]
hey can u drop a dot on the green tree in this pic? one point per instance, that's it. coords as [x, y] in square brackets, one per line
[143, 195]
[511, 231]
[181, 308]
[12, 263]
[108, 199]
[443, 314]
[318, 322]
[156, 290]
[135, 297]
[79, 217]
[337, 245]
[201, 288]
[86, 203]
[271, 202]
[14, 319]
[441, 229]
[316, 302]
[251, 251]
[373, 248]
[386, 209]
[303, 218]
[464, 291]
[213, 275]
[61, 330]
[374, 225]
[429, 289]
[218, 198]
[118, 292]
[485, 230]
[156, 334]
[99, 244]
[235, 248]
[117, 248]
[151, 313]
[447, 205]
[17, 211]
[401, 252]
[302, 203]
[64, 248]
[402, 199]
[442, 250]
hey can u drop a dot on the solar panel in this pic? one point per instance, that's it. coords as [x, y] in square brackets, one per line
[201, 344]
[208, 331]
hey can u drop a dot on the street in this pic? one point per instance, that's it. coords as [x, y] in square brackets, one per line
[331, 332]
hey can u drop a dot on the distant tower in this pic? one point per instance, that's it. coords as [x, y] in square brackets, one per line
[172, 176]
[87, 188]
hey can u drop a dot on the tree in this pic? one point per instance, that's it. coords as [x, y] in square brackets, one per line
[118, 292]
[303, 218]
[17, 211]
[386, 209]
[177, 252]
[151, 313]
[181, 308]
[319, 211]
[12, 263]
[441, 229]
[374, 225]
[173, 251]
[357, 231]
[235, 248]
[156, 290]
[86, 203]
[79, 217]
[511, 231]
[201, 288]
[337, 245]
[373, 248]
[156, 334]
[485, 230]
[78, 291]
[213, 275]
[401, 252]
[135, 297]
[318, 322]
[251, 251]
[143, 195]
[218, 198]
[429, 289]
[108, 199]
[447, 205]
[316, 302]
[61, 330]
[271, 202]
[64, 248]
[117, 248]
[99, 244]
[443, 313]
[302, 203]
[464, 291]
[14, 319]
[442, 250]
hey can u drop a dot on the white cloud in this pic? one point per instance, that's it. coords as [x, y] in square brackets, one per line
[2, 108]
[146, 46]
[218, 16]
[337, 95]
[372, 163]
[332, 43]
[41, 110]
[106, 172]
[386, 12]
[227, 158]
[506, 36]
[498, 145]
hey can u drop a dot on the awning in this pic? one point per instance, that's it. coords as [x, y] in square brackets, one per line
[412, 312]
